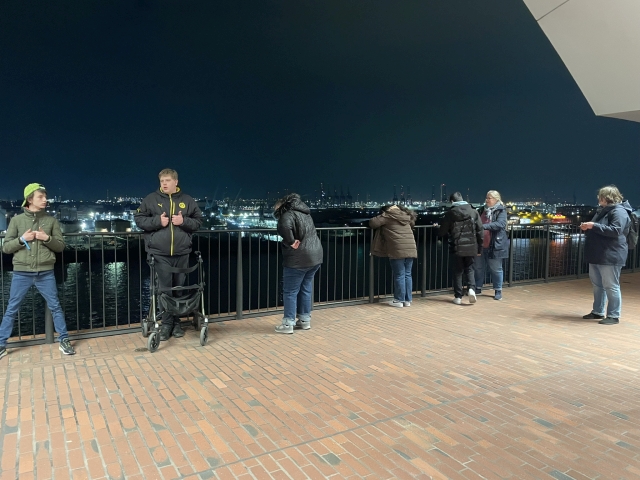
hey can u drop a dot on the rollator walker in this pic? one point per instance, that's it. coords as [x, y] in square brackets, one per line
[191, 303]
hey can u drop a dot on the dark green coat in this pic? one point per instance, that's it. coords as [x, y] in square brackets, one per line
[42, 256]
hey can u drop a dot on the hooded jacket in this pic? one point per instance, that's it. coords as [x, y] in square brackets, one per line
[295, 223]
[170, 240]
[393, 237]
[463, 226]
[42, 255]
[497, 226]
[606, 242]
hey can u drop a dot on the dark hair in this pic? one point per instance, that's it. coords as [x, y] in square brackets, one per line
[455, 197]
[284, 204]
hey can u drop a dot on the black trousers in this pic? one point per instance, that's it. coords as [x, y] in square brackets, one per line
[170, 280]
[463, 265]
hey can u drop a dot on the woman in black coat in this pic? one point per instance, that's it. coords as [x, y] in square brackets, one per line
[301, 259]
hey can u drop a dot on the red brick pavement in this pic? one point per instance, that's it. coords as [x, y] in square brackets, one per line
[522, 388]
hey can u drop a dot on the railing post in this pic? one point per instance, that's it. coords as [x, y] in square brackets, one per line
[634, 259]
[547, 260]
[424, 262]
[239, 279]
[48, 325]
[510, 256]
[371, 283]
[580, 255]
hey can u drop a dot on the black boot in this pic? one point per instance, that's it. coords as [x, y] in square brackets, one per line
[178, 332]
[165, 332]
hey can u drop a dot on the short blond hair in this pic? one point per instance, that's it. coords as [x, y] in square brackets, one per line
[168, 172]
[494, 194]
[610, 194]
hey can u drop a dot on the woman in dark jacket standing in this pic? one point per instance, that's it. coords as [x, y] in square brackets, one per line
[301, 259]
[394, 239]
[605, 250]
[495, 247]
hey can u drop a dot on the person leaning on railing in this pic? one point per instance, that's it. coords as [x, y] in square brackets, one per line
[605, 250]
[33, 237]
[301, 258]
[393, 238]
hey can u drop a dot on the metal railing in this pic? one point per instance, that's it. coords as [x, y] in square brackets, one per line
[103, 278]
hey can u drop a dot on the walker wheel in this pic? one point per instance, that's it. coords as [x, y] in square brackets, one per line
[153, 342]
[145, 328]
[204, 335]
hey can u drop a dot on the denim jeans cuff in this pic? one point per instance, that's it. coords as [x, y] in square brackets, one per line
[288, 321]
[305, 318]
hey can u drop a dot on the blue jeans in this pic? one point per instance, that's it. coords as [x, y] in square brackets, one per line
[297, 284]
[606, 286]
[402, 280]
[45, 282]
[493, 264]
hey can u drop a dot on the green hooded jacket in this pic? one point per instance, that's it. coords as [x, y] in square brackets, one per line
[42, 255]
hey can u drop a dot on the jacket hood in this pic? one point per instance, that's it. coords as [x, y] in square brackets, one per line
[291, 202]
[400, 216]
[607, 208]
[461, 211]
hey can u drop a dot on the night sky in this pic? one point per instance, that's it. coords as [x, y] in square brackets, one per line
[282, 95]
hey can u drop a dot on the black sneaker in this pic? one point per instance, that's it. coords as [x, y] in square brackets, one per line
[177, 332]
[3, 351]
[66, 348]
[593, 316]
[609, 321]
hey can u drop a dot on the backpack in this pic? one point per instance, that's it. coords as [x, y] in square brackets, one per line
[634, 226]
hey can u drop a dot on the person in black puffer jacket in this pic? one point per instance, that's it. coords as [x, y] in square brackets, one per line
[463, 226]
[169, 217]
[301, 258]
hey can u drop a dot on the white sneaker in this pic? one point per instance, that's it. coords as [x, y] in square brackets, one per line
[395, 303]
[457, 301]
[407, 304]
[472, 296]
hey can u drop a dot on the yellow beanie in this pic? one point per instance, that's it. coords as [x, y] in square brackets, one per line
[29, 189]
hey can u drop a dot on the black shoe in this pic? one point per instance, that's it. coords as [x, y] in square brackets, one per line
[3, 351]
[177, 332]
[593, 316]
[609, 321]
[165, 332]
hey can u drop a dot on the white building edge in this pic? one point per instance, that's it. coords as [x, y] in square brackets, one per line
[599, 42]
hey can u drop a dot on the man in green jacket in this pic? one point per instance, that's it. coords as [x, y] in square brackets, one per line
[33, 237]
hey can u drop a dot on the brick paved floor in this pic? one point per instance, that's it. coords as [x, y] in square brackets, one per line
[522, 388]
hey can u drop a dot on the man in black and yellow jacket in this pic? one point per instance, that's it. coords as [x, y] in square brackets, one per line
[34, 238]
[169, 217]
